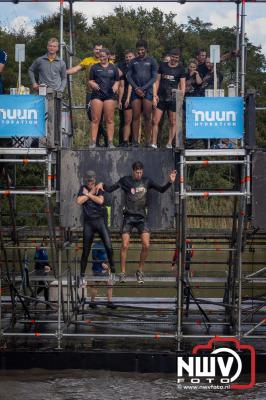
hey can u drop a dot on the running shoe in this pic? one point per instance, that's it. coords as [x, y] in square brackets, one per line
[92, 304]
[82, 282]
[168, 146]
[111, 305]
[111, 145]
[122, 277]
[140, 276]
[153, 146]
[92, 146]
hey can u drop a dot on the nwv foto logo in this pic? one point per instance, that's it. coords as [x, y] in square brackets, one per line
[222, 365]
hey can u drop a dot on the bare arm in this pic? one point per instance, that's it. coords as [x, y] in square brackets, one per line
[89, 196]
[74, 70]
[183, 85]
[121, 92]
[2, 66]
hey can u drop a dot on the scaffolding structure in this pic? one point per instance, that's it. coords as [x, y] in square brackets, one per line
[182, 317]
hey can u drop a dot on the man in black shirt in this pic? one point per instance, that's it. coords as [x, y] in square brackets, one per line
[124, 103]
[141, 75]
[94, 222]
[171, 75]
[208, 80]
[201, 58]
[136, 188]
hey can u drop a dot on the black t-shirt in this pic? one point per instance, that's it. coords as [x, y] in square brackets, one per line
[142, 72]
[124, 68]
[136, 193]
[208, 82]
[192, 88]
[170, 77]
[202, 69]
[105, 77]
[92, 210]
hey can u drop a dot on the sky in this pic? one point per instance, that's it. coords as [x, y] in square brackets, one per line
[219, 14]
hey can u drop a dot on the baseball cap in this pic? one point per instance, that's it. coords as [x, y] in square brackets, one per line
[91, 175]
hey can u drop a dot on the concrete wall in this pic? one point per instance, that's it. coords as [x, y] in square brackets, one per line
[109, 166]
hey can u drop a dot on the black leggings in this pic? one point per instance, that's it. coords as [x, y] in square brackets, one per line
[96, 225]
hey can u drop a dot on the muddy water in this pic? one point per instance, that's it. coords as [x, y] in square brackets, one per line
[104, 385]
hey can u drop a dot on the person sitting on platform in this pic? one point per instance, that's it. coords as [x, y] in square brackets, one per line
[100, 268]
[136, 188]
[94, 222]
[50, 69]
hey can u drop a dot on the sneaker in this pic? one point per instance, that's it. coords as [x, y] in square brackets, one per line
[111, 305]
[124, 144]
[82, 282]
[153, 146]
[140, 276]
[122, 277]
[168, 146]
[111, 145]
[92, 146]
[92, 304]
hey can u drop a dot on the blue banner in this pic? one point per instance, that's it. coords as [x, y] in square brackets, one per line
[214, 117]
[22, 115]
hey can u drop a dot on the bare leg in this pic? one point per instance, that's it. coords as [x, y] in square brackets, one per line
[157, 115]
[127, 124]
[172, 126]
[108, 110]
[94, 292]
[145, 240]
[147, 113]
[96, 114]
[123, 251]
[136, 112]
[109, 291]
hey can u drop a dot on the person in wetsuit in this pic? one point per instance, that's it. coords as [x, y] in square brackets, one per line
[136, 188]
[94, 222]
[124, 103]
[141, 75]
[104, 81]
[171, 75]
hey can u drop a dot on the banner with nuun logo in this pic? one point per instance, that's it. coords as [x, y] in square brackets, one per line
[214, 117]
[22, 116]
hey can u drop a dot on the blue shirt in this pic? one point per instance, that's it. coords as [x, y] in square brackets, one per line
[99, 256]
[3, 57]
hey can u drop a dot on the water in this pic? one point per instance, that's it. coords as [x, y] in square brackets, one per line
[40, 384]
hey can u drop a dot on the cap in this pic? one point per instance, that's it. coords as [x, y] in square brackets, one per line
[91, 175]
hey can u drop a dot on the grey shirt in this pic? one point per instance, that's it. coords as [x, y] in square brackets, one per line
[52, 73]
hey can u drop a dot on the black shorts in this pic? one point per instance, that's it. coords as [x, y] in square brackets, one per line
[103, 97]
[167, 105]
[134, 221]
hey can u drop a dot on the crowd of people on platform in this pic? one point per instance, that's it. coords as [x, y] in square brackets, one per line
[142, 89]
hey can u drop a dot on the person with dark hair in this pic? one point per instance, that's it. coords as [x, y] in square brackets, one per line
[136, 188]
[42, 267]
[141, 75]
[85, 65]
[104, 81]
[94, 222]
[124, 103]
[201, 56]
[208, 80]
[193, 79]
[100, 268]
[171, 75]
[3, 60]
